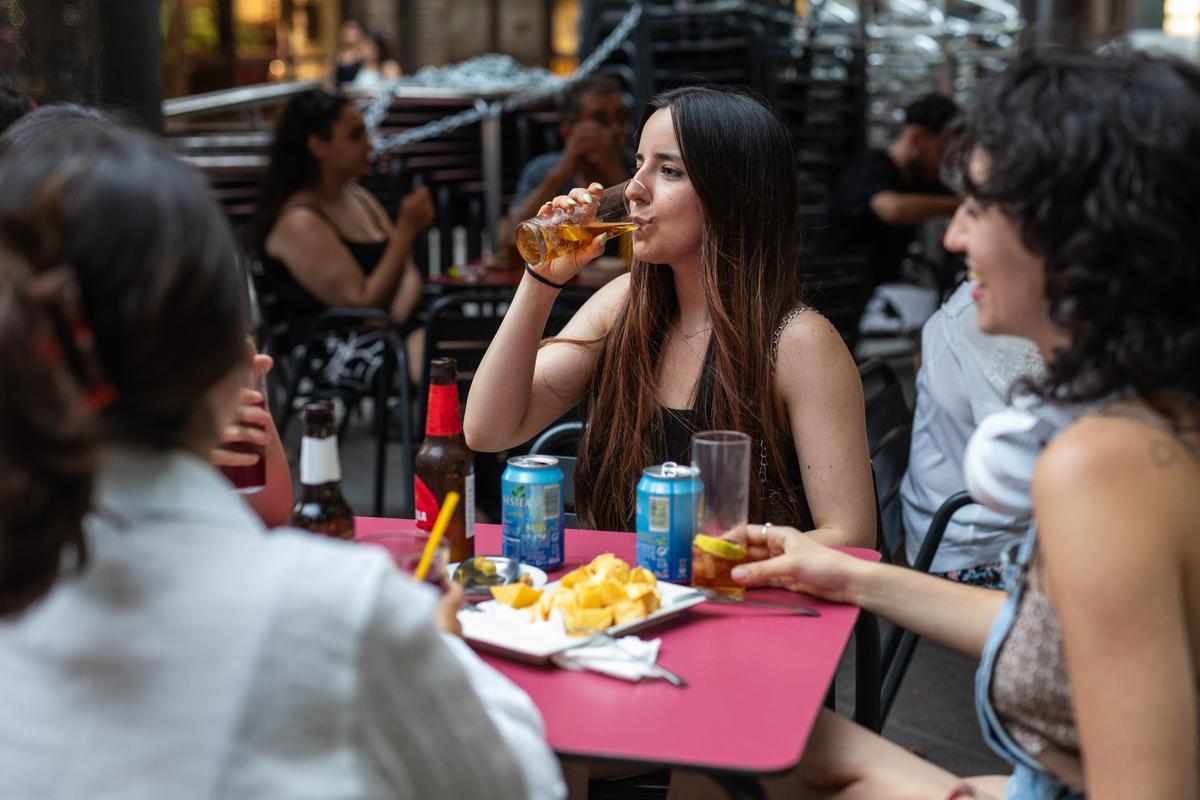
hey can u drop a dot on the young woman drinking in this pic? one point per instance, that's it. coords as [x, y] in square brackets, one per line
[709, 330]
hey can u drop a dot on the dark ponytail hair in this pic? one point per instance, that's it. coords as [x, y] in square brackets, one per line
[46, 449]
[145, 275]
[293, 165]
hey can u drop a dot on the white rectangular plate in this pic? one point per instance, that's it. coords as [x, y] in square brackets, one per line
[512, 631]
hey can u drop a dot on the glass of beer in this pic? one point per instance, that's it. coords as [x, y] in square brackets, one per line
[540, 239]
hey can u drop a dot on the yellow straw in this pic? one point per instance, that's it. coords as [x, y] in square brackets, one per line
[435, 537]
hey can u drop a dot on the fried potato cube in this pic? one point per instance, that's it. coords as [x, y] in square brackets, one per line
[585, 621]
[651, 601]
[599, 594]
[636, 591]
[577, 575]
[601, 562]
[642, 575]
[617, 571]
[517, 595]
[628, 611]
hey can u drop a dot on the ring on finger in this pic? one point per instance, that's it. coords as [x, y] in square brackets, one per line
[765, 526]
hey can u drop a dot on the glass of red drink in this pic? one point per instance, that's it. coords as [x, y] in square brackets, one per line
[252, 478]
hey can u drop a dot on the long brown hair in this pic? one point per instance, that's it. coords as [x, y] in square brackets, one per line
[739, 159]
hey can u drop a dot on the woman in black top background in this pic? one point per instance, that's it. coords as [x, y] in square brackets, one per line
[324, 240]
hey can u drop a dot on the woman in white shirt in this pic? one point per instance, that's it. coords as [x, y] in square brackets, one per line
[155, 641]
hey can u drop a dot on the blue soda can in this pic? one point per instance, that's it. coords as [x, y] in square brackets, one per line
[531, 494]
[667, 499]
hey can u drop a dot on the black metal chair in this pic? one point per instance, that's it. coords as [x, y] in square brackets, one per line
[900, 644]
[889, 434]
[388, 382]
[562, 442]
[889, 429]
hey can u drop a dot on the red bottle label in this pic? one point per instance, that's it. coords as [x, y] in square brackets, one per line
[443, 417]
[426, 504]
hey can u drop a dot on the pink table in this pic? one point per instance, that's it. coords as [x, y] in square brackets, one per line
[757, 678]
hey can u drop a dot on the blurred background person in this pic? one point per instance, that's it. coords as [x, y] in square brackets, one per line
[884, 195]
[349, 55]
[376, 67]
[965, 376]
[324, 240]
[594, 129]
[193, 653]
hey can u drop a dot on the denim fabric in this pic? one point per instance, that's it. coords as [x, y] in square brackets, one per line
[1026, 784]
[1030, 780]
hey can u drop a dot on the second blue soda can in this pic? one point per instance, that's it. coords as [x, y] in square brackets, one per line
[531, 496]
[667, 500]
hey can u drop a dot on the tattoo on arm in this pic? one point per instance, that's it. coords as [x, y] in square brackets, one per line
[1162, 453]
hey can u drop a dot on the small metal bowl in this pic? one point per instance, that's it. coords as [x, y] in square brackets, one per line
[477, 575]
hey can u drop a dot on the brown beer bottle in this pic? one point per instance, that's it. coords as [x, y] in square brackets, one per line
[445, 464]
[321, 507]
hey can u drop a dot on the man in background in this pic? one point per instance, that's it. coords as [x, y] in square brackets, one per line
[884, 195]
[594, 131]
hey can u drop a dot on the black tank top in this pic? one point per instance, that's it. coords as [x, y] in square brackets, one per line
[679, 425]
[346, 73]
[297, 307]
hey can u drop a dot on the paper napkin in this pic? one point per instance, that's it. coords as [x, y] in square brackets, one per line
[632, 660]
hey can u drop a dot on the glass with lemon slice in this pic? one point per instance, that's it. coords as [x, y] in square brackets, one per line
[713, 560]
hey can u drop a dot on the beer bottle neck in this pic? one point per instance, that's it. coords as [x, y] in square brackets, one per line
[319, 462]
[442, 416]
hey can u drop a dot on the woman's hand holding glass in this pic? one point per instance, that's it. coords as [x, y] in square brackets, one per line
[565, 221]
[785, 558]
[251, 426]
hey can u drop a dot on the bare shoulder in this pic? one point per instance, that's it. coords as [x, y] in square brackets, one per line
[1106, 468]
[1102, 450]
[811, 350]
[298, 227]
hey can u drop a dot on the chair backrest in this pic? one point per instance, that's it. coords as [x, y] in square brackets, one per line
[889, 431]
[562, 441]
[460, 326]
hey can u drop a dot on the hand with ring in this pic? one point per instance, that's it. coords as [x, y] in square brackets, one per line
[784, 557]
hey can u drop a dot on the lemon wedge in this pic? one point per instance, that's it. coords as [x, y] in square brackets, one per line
[721, 548]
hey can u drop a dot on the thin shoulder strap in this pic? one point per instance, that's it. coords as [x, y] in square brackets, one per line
[1151, 421]
[320, 212]
[787, 320]
[762, 443]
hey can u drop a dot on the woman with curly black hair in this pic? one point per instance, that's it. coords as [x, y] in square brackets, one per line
[1082, 177]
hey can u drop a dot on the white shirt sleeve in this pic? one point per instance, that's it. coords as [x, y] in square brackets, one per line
[519, 722]
[428, 730]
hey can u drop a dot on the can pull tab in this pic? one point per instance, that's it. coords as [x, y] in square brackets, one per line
[670, 469]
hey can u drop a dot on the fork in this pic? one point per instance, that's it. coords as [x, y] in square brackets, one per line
[713, 596]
